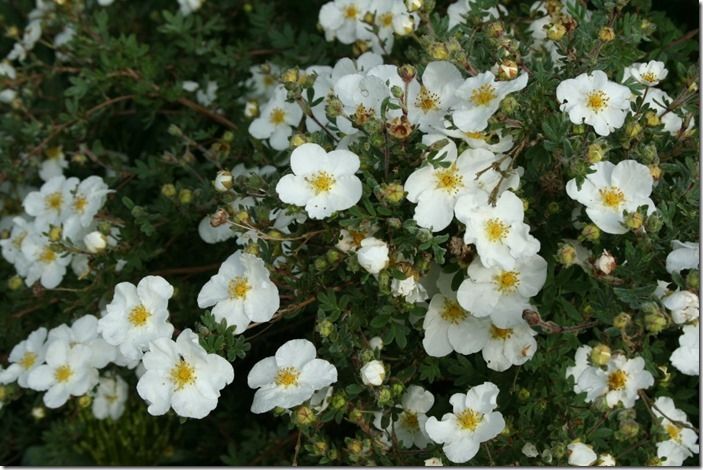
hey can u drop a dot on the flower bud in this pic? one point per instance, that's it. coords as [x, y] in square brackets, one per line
[185, 196]
[633, 129]
[605, 460]
[356, 415]
[85, 401]
[360, 47]
[290, 76]
[333, 107]
[333, 255]
[397, 389]
[693, 280]
[297, 140]
[495, 29]
[251, 109]
[55, 234]
[652, 119]
[590, 232]
[655, 322]
[407, 72]
[168, 190]
[523, 394]
[223, 181]
[373, 373]
[629, 428]
[655, 171]
[174, 130]
[376, 343]
[508, 70]
[566, 254]
[578, 129]
[622, 320]
[338, 401]
[392, 193]
[321, 263]
[559, 450]
[15, 282]
[606, 263]
[304, 416]
[438, 51]
[595, 153]
[606, 34]
[95, 242]
[634, 220]
[325, 328]
[509, 105]
[38, 412]
[600, 354]
[385, 397]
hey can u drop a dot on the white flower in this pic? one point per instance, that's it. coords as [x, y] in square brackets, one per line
[529, 450]
[89, 197]
[110, 397]
[45, 264]
[612, 189]
[429, 103]
[659, 101]
[448, 327]
[649, 74]
[341, 19]
[583, 354]
[471, 422]
[595, 100]
[241, 292]
[373, 373]
[24, 358]
[502, 294]
[289, 377]
[277, 119]
[95, 242]
[619, 383]
[137, 315]
[361, 96]
[373, 255]
[686, 358]
[263, 81]
[84, 330]
[434, 462]
[458, 10]
[498, 232]
[505, 347]
[410, 426]
[581, 455]
[321, 182]
[12, 246]
[606, 263]
[223, 181]
[50, 204]
[409, 288]
[182, 375]
[684, 255]
[682, 442]
[189, 6]
[479, 97]
[209, 95]
[67, 372]
[684, 306]
[54, 164]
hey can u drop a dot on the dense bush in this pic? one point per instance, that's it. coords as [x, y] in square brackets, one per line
[357, 232]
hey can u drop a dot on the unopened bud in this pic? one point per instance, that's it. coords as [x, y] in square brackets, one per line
[290, 76]
[297, 140]
[606, 34]
[655, 322]
[606, 263]
[15, 282]
[652, 119]
[508, 70]
[325, 328]
[85, 401]
[655, 171]
[185, 196]
[251, 109]
[591, 232]
[223, 181]
[95, 242]
[407, 72]
[168, 190]
[600, 354]
[566, 254]
[622, 320]
[413, 5]
[304, 416]
[55, 234]
[629, 428]
[595, 153]
[634, 220]
[495, 29]
[556, 31]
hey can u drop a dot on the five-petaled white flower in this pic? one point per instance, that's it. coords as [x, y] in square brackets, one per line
[277, 119]
[430, 102]
[88, 199]
[581, 455]
[341, 19]
[68, 372]
[500, 293]
[289, 377]
[448, 327]
[25, 357]
[650, 73]
[682, 442]
[619, 383]
[471, 422]
[612, 189]
[137, 315]
[499, 233]
[110, 397]
[50, 204]
[410, 425]
[479, 97]
[686, 358]
[321, 182]
[595, 100]
[182, 375]
[241, 292]
[46, 264]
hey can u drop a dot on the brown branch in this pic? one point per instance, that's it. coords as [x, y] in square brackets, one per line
[218, 118]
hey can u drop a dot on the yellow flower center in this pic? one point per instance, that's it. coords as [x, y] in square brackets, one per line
[362, 115]
[612, 197]
[649, 77]
[63, 373]
[47, 256]
[426, 100]
[674, 432]
[28, 360]
[475, 135]
[507, 281]
[597, 101]
[182, 374]
[469, 420]
[269, 80]
[139, 315]
[409, 421]
[53, 153]
[17, 241]
[483, 95]
[449, 179]
[617, 380]
[111, 398]
[501, 333]
[54, 201]
[277, 116]
[357, 237]
[238, 288]
[386, 19]
[452, 312]
[79, 204]
[351, 12]
[496, 230]
[322, 182]
[287, 377]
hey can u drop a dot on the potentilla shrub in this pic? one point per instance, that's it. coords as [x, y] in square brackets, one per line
[370, 232]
